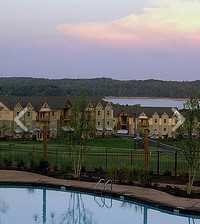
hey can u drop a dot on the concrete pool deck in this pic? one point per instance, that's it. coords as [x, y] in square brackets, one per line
[139, 194]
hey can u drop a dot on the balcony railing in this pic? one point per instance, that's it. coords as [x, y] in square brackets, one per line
[66, 118]
[145, 124]
[42, 119]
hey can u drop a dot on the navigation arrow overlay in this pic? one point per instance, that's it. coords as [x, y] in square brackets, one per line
[19, 123]
[180, 121]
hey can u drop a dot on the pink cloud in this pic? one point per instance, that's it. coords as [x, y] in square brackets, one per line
[166, 23]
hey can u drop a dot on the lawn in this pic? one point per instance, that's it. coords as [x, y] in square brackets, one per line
[97, 142]
[100, 153]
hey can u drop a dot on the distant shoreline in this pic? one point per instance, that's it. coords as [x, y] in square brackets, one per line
[143, 97]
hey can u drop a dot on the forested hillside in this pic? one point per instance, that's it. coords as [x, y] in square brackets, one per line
[97, 87]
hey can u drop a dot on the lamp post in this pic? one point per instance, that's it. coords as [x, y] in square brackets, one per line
[136, 139]
[155, 138]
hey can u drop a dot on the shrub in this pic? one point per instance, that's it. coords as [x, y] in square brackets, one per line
[130, 172]
[44, 166]
[7, 162]
[20, 164]
[66, 164]
[112, 171]
[167, 173]
[33, 164]
[144, 178]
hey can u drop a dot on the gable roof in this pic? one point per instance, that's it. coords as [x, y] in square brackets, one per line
[137, 110]
[55, 102]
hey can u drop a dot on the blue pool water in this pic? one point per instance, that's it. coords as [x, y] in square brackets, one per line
[28, 205]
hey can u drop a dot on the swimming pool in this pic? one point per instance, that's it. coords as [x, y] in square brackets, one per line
[32, 205]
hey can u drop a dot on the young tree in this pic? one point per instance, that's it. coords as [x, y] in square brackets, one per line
[190, 145]
[80, 128]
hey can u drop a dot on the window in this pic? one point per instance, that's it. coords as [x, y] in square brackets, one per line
[108, 112]
[29, 113]
[98, 123]
[165, 121]
[53, 113]
[156, 121]
[165, 129]
[99, 112]
[108, 123]
[17, 113]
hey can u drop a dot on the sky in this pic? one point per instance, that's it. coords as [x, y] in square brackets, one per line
[124, 40]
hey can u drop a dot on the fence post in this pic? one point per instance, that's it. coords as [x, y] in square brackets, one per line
[175, 164]
[131, 157]
[57, 156]
[106, 159]
[10, 153]
[158, 162]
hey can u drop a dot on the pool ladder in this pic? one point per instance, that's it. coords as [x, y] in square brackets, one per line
[105, 183]
[103, 202]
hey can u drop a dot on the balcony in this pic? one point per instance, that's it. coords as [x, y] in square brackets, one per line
[144, 124]
[66, 118]
[42, 119]
[122, 124]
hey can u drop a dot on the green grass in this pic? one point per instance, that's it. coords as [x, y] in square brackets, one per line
[97, 142]
[101, 152]
[111, 143]
[94, 157]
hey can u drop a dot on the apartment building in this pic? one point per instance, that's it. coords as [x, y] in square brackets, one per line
[156, 120]
[55, 113]
[104, 119]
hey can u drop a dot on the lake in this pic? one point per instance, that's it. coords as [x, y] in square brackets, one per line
[147, 101]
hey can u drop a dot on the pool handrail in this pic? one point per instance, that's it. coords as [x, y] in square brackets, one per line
[107, 182]
[100, 181]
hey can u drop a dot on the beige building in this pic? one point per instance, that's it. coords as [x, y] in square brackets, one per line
[104, 119]
[56, 113]
[156, 120]
[53, 112]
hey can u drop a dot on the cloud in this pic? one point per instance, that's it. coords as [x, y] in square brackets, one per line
[165, 23]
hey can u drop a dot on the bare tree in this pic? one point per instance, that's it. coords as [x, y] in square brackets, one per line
[190, 145]
[81, 127]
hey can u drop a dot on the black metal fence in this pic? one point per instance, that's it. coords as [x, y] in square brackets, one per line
[159, 162]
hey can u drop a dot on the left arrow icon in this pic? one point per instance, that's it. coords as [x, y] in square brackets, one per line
[19, 123]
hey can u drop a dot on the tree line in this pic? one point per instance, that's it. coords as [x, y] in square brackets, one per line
[23, 86]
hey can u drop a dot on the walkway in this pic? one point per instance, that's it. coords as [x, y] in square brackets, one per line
[139, 194]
